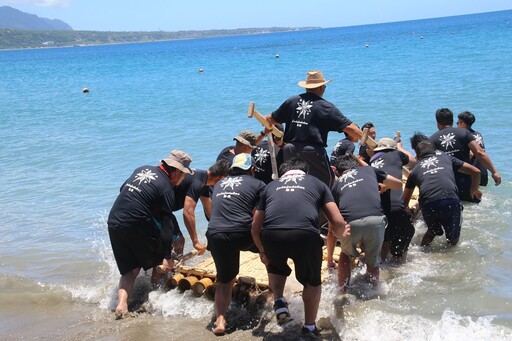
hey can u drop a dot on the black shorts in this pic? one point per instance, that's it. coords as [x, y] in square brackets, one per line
[464, 186]
[136, 247]
[303, 247]
[225, 248]
[443, 214]
[399, 232]
[315, 156]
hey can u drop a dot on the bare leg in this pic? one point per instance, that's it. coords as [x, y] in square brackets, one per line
[400, 259]
[276, 283]
[428, 238]
[384, 251]
[344, 270]
[311, 298]
[222, 300]
[125, 288]
[155, 277]
[178, 245]
[373, 275]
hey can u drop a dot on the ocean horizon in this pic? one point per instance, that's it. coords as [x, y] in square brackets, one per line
[66, 153]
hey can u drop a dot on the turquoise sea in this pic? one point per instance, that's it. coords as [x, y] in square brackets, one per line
[64, 155]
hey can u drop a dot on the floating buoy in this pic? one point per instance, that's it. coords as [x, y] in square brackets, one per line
[201, 70]
[277, 56]
[366, 45]
[85, 90]
[421, 37]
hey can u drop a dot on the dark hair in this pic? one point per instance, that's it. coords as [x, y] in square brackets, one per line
[295, 163]
[424, 148]
[239, 171]
[345, 162]
[219, 168]
[417, 138]
[368, 125]
[467, 117]
[444, 116]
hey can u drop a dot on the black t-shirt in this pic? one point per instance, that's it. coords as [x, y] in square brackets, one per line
[308, 119]
[193, 186]
[454, 142]
[293, 202]
[435, 178]
[484, 175]
[344, 146]
[357, 193]
[145, 195]
[225, 154]
[233, 200]
[391, 162]
[363, 152]
[263, 165]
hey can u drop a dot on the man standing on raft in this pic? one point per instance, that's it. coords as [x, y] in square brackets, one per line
[308, 119]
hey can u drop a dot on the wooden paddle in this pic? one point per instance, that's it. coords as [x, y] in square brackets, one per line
[254, 113]
[272, 147]
[367, 140]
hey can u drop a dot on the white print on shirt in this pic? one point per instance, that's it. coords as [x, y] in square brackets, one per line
[379, 163]
[145, 176]
[291, 178]
[479, 139]
[349, 179]
[430, 162]
[261, 156]
[447, 140]
[304, 108]
[231, 182]
[347, 176]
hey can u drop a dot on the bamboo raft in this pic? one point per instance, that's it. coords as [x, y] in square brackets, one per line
[200, 278]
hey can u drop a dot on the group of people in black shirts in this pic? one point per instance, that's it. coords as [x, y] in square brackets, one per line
[362, 206]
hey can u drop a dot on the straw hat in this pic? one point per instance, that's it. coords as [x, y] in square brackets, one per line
[385, 143]
[314, 79]
[179, 160]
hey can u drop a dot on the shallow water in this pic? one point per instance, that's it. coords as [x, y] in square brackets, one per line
[64, 155]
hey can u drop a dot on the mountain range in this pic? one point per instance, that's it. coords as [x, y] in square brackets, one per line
[11, 18]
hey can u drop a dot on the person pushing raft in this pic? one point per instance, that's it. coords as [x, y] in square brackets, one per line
[229, 229]
[140, 223]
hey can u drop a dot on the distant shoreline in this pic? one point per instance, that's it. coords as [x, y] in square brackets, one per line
[23, 40]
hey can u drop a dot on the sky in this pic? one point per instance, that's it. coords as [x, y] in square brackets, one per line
[178, 15]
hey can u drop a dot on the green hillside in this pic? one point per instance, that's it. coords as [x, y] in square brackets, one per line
[20, 39]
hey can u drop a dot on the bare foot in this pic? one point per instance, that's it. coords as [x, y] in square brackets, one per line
[121, 312]
[219, 328]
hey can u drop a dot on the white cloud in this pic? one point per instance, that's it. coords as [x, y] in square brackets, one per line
[46, 3]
